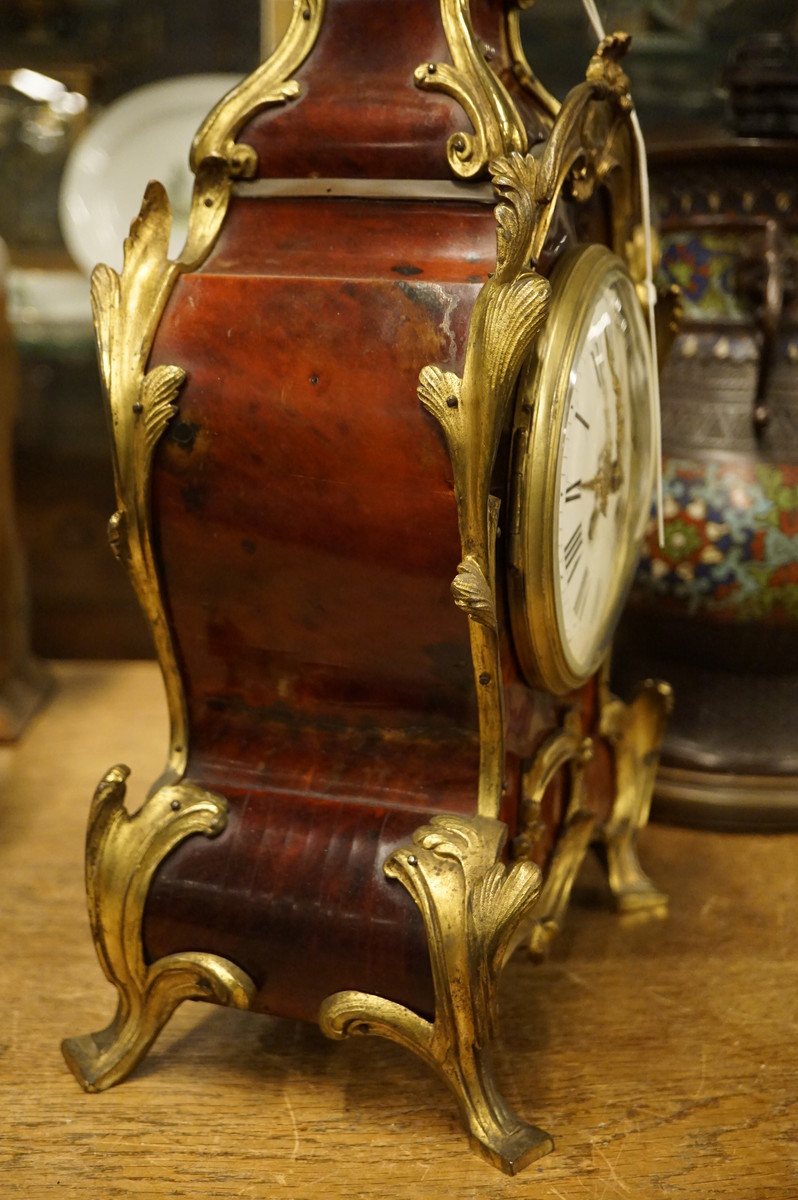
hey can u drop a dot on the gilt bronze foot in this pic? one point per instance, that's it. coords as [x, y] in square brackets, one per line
[635, 731]
[122, 854]
[471, 905]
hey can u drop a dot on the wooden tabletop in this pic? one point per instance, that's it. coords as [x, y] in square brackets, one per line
[663, 1057]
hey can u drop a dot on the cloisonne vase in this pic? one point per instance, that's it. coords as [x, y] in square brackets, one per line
[366, 805]
[717, 606]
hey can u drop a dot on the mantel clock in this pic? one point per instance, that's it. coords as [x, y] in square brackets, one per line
[383, 447]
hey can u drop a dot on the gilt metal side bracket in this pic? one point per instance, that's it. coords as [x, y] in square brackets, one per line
[566, 747]
[581, 153]
[634, 732]
[472, 412]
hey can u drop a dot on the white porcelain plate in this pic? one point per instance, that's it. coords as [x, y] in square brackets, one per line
[144, 135]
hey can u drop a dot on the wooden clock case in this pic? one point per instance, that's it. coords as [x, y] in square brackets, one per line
[366, 805]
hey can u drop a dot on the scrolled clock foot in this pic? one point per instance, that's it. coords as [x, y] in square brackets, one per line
[543, 934]
[123, 851]
[90, 1063]
[100, 1060]
[471, 904]
[512, 1153]
[631, 887]
[635, 732]
[495, 1131]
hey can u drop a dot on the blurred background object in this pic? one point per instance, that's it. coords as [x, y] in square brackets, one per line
[715, 610]
[677, 63]
[40, 117]
[141, 136]
[62, 65]
[23, 681]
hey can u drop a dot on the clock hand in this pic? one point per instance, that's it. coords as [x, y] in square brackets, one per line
[603, 392]
[601, 486]
[609, 476]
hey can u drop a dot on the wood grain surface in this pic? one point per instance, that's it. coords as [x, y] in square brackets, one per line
[662, 1057]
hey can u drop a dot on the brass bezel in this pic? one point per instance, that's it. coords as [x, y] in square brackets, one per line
[540, 411]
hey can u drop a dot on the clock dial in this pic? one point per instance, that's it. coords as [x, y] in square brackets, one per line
[594, 472]
[584, 477]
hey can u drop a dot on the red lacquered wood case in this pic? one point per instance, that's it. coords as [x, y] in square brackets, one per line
[368, 803]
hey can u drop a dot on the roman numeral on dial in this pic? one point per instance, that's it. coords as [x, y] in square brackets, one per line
[581, 595]
[573, 551]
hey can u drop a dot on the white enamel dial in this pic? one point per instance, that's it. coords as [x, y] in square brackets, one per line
[594, 474]
[584, 483]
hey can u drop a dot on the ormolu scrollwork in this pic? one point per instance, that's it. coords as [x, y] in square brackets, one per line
[471, 905]
[591, 143]
[548, 104]
[469, 80]
[563, 746]
[122, 854]
[472, 412]
[582, 151]
[270, 84]
[634, 732]
[127, 309]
